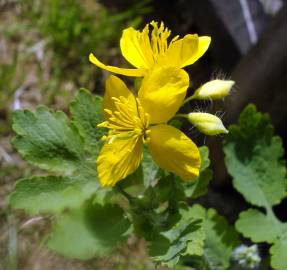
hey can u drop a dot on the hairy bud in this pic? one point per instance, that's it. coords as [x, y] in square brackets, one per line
[215, 89]
[207, 123]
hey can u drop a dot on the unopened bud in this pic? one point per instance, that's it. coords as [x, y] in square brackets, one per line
[215, 89]
[207, 123]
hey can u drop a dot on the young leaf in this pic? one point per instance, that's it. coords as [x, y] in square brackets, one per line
[46, 139]
[44, 194]
[254, 159]
[248, 222]
[86, 111]
[220, 237]
[200, 186]
[92, 231]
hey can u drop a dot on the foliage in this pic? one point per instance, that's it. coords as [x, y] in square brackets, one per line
[254, 159]
[220, 240]
[91, 221]
[50, 141]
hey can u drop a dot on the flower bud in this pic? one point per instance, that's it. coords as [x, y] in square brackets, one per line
[207, 123]
[215, 89]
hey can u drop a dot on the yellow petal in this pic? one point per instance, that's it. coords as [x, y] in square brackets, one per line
[119, 159]
[173, 151]
[186, 51]
[136, 48]
[162, 93]
[117, 70]
[115, 87]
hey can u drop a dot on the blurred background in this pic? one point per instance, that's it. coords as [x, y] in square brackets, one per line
[44, 48]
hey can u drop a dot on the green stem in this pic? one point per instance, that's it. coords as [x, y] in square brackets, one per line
[125, 194]
[182, 115]
[189, 99]
[270, 213]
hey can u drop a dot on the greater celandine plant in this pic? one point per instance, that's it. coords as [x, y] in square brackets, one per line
[146, 168]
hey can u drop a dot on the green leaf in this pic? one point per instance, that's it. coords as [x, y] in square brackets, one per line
[199, 187]
[46, 139]
[170, 188]
[86, 111]
[183, 236]
[220, 237]
[51, 193]
[278, 253]
[254, 159]
[248, 223]
[160, 217]
[265, 228]
[92, 231]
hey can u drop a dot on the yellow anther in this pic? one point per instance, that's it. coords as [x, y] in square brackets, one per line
[104, 138]
[115, 99]
[146, 140]
[138, 131]
[108, 111]
[103, 124]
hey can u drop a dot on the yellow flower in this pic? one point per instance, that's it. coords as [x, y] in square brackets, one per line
[137, 120]
[146, 50]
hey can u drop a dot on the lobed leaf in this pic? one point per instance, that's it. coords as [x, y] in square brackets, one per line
[220, 238]
[183, 236]
[253, 156]
[46, 139]
[248, 223]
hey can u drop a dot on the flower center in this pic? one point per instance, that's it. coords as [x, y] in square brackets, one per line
[128, 120]
[159, 39]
